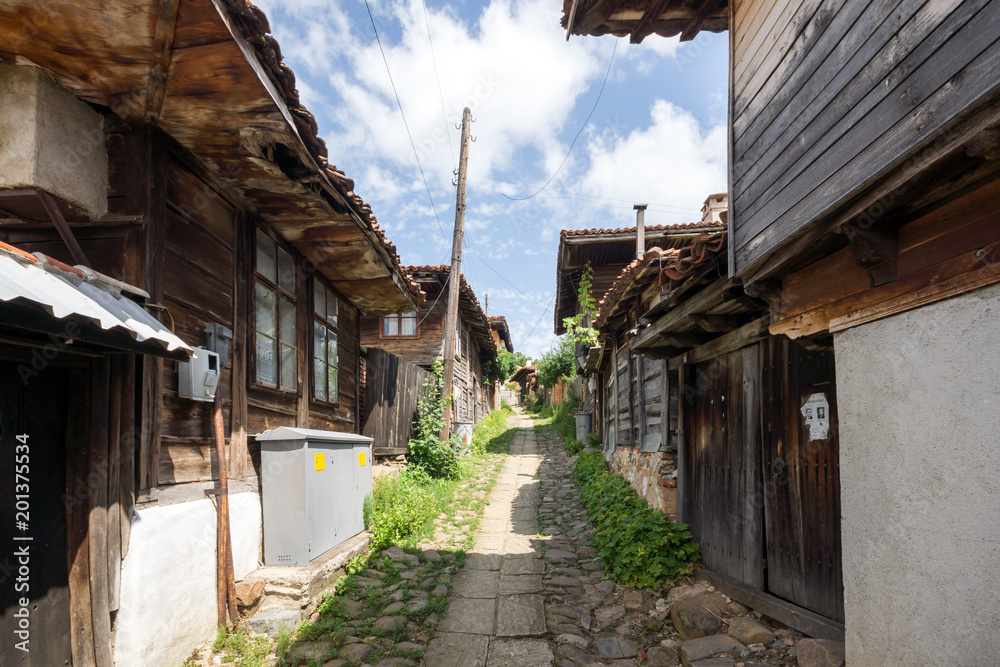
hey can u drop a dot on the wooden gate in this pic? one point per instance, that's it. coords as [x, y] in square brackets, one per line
[763, 487]
[722, 436]
[392, 389]
[802, 479]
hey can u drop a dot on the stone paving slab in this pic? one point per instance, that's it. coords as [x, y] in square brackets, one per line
[521, 616]
[476, 584]
[483, 561]
[457, 650]
[519, 653]
[469, 616]
[512, 584]
[522, 565]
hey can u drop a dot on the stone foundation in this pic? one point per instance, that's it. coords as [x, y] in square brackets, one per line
[651, 474]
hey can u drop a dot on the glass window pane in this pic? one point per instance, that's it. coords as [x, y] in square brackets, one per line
[332, 307]
[332, 381]
[331, 348]
[265, 256]
[319, 378]
[408, 326]
[319, 299]
[319, 341]
[390, 326]
[264, 307]
[287, 327]
[288, 367]
[286, 271]
[265, 360]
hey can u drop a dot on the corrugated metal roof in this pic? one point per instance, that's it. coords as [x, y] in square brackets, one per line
[79, 294]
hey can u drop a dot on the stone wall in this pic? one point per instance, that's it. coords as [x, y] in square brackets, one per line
[919, 401]
[651, 474]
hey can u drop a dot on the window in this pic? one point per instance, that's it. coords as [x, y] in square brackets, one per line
[402, 324]
[458, 342]
[274, 315]
[325, 306]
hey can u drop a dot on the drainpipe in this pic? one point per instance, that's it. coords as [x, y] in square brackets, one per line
[640, 230]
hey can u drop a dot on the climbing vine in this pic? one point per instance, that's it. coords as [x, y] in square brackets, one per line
[578, 326]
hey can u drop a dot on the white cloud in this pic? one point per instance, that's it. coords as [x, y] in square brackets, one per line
[672, 162]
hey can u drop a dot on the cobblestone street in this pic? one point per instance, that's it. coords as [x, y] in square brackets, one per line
[532, 592]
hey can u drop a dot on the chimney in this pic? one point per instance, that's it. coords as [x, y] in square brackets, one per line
[640, 230]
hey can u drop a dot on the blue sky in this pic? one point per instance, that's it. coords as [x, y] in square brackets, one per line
[657, 135]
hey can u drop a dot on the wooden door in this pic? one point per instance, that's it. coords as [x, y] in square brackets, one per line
[722, 440]
[801, 477]
[35, 407]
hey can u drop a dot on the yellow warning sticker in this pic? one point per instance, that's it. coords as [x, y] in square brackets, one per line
[361, 458]
[320, 462]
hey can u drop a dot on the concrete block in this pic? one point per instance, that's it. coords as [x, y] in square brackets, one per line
[51, 140]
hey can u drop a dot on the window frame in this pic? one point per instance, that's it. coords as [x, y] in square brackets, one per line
[399, 325]
[258, 278]
[323, 320]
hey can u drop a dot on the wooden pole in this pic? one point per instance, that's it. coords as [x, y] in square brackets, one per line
[451, 319]
[224, 545]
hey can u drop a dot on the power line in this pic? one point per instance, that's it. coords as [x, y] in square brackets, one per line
[444, 288]
[537, 322]
[405, 124]
[572, 195]
[585, 123]
[523, 293]
[444, 114]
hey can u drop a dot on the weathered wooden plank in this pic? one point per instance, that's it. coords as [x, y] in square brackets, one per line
[114, 511]
[862, 151]
[838, 60]
[734, 340]
[791, 615]
[127, 442]
[239, 457]
[97, 531]
[697, 303]
[78, 431]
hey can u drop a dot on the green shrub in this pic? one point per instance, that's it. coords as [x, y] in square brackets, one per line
[427, 451]
[398, 507]
[574, 447]
[505, 406]
[593, 439]
[638, 546]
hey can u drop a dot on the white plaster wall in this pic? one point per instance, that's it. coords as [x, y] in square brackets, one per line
[51, 140]
[919, 402]
[168, 598]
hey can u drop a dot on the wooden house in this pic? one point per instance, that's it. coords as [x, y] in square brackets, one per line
[864, 199]
[502, 340]
[417, 335]
[163, 145]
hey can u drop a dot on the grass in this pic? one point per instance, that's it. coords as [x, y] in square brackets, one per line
[238, 645]
[409, 508]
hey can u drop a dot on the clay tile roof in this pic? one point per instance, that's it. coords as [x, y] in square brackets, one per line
[673, 264]
[631, 230]
[256, 30]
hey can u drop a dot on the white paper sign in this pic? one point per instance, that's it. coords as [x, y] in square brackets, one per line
[816, 410]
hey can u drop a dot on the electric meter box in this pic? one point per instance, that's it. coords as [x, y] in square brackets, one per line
[198, 377]
[313, 489]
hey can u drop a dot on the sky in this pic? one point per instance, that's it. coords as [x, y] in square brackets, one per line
[655, 134]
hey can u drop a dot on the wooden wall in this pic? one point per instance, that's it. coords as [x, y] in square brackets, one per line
[829, 95]
[393, 387]
[471, 402]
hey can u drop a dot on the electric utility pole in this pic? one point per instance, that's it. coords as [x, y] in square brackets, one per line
[455, 280]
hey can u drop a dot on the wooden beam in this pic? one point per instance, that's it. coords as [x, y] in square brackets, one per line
[596, 15]
[875, 250]
[694, 25]
[644, 27]
[159, 65]
[697, 303]
[685, 340]
[64, 231]
[805, 621]
[717, 323]
[734, 340]
[98, 517]
[769, 291]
